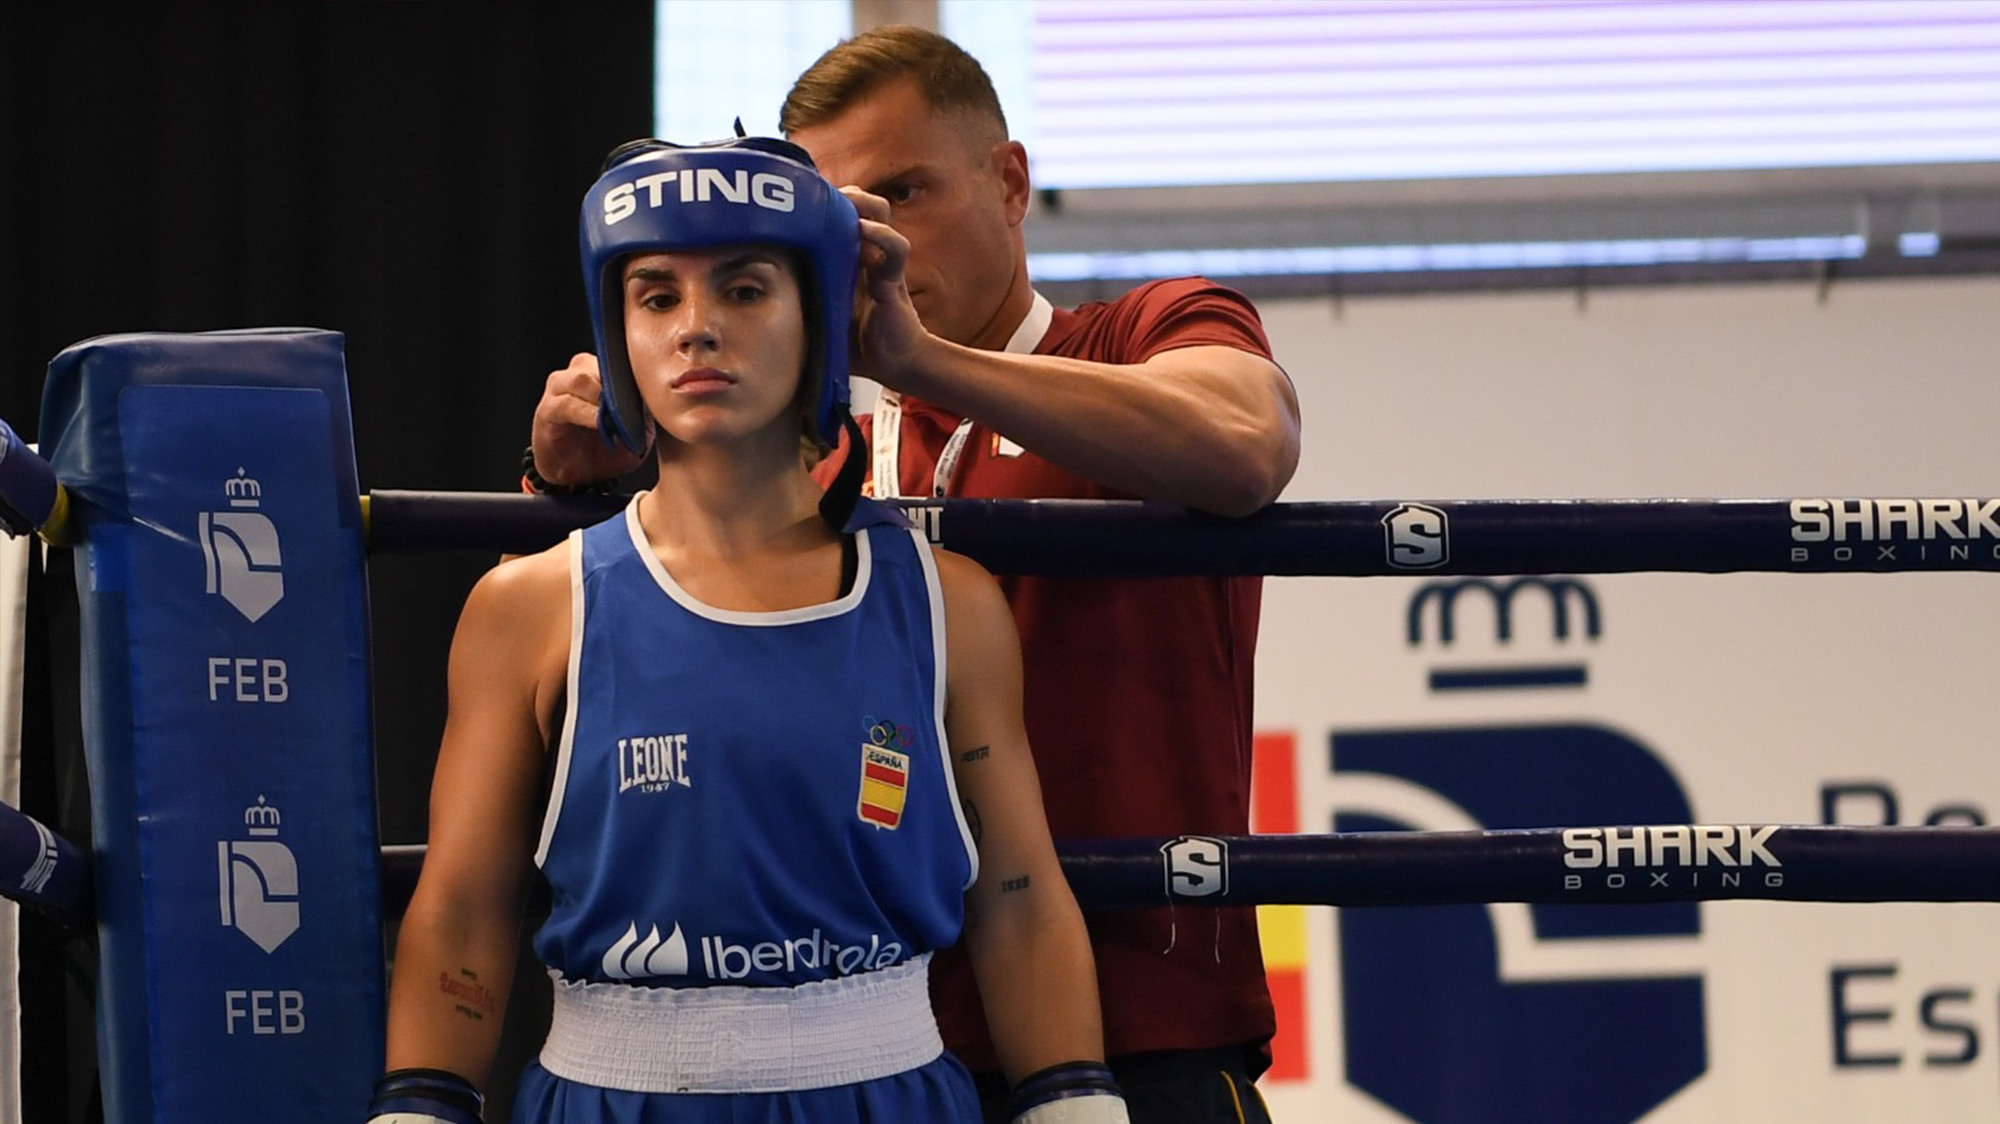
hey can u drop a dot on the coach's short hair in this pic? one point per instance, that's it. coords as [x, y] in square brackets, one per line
[949, 79]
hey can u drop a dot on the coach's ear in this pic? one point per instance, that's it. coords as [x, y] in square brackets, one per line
[1008, 161]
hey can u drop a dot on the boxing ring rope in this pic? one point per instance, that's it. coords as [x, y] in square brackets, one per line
[1096, 538]
[1621, 865]
[1483, 537]
[1078, 538]
[1611, 866]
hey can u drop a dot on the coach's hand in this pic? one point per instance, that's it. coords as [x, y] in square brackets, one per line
[568, 449]
[890, 341]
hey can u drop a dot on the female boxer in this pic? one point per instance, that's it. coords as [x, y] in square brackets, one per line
[765, 744]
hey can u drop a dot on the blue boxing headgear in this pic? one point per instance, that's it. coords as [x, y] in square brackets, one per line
[655, 196]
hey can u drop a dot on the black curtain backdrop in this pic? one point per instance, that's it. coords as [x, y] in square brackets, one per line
[405, 173]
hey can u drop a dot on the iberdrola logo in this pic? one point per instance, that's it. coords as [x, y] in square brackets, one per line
[631, 958]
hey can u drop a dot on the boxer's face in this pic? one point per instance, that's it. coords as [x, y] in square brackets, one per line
[957, 189]
[717, 340]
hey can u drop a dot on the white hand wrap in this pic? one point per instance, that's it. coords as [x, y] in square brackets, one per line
[1096, 1108]
[1073, 1093]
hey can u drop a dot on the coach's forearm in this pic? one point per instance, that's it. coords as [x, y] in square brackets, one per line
[1208, 427]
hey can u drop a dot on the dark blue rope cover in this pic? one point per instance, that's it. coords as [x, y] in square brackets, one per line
[1670, 863]
[1335, 538]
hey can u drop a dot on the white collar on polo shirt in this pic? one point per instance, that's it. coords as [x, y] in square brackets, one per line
[888, 436]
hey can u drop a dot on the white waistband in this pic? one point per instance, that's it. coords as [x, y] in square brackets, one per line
[744, 1039]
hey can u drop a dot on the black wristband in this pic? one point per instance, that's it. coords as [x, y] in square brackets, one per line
[1060, 1082]
[438, 1093]
[536, 483]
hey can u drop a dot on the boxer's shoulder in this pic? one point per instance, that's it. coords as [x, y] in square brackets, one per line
[527, 581]
[522, 606]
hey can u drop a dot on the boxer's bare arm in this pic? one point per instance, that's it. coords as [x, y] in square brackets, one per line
[1029, 948]
[455, 952]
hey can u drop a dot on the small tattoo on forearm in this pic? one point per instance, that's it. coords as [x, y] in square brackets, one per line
[972, 823]
[1009, 885]
[474, 1000]
[979, 754]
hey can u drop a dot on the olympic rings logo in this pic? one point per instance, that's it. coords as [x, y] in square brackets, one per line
[886, 733]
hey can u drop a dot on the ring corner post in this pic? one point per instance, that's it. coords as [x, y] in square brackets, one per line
[223, 602]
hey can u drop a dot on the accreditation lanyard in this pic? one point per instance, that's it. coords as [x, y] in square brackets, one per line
[888, 438]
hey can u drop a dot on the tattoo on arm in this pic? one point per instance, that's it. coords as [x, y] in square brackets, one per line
[978, 754]
[473, 999]
[1009, 885]
[972, 823]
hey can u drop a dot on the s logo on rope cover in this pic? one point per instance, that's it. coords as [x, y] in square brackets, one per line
[1197, 866]
[1417, 536]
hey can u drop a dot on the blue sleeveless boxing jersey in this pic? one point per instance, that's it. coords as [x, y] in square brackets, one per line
[748, 798]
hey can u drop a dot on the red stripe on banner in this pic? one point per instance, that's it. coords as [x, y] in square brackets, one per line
[885, 775]
[875, 813]
[1288, 1049]
[1274, 783]
[1274, 810]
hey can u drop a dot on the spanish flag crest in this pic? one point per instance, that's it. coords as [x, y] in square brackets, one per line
[885, 778]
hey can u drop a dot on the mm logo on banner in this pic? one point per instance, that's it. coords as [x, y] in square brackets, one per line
[1509, 1013]
[1559, 593]
[1416, 536]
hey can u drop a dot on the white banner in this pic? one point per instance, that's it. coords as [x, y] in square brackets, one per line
[1761, 698]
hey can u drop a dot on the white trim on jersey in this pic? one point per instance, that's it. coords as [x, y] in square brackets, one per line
[559, 784]
[753, 619]
[935, 589]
